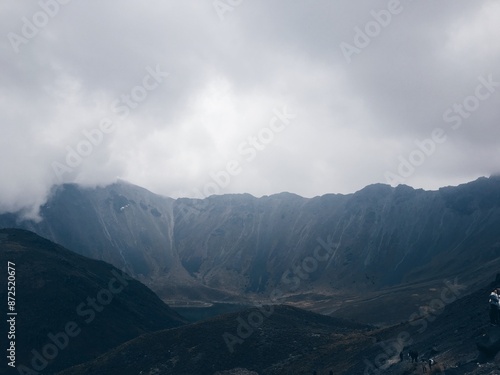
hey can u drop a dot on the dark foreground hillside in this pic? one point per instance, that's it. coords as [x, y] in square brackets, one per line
[69, 308]
[289, 340]
[446, 332]
[293, 341]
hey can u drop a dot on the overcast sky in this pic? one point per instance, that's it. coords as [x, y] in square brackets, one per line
[169, 92]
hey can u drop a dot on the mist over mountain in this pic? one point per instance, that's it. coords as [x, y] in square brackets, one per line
[241, 248]
[174, 170]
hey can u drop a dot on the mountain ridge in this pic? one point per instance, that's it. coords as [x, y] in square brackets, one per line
[239, 248]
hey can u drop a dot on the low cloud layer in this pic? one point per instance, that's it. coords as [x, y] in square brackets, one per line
[192, 98]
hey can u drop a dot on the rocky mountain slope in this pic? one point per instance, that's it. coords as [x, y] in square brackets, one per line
[324, 250]
[70, 308]
[287, 340]
[52, 284]
[284, 339]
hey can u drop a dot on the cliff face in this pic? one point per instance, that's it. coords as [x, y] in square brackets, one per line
[124, 225]
[240, 245]
[377, 237]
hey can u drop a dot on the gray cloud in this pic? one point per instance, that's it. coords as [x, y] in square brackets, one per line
[354, 120]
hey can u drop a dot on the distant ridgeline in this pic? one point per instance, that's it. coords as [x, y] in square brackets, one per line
[229, 246]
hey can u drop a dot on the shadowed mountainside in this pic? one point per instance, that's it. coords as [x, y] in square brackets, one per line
[235, 248]
[58, 291]
[293, 341]
[289, 339]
